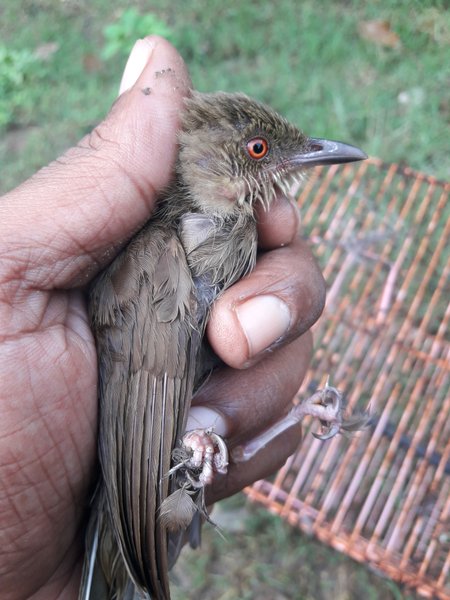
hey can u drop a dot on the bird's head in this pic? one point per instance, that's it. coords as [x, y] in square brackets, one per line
[235, 151]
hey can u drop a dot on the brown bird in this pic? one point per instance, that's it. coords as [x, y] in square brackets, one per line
[148, 311]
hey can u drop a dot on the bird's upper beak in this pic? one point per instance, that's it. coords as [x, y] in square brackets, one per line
[326, 152]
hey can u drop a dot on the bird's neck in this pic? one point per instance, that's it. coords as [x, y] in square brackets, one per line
[219, 250]
[220, 247]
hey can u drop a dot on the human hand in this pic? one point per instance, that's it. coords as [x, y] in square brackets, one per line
[58, 229]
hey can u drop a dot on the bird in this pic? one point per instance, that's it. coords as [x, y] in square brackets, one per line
[148, 311]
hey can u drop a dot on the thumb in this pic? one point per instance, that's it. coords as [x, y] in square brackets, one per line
[68, 220]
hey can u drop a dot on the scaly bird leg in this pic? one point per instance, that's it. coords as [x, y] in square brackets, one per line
[325, 405]
[203, 453]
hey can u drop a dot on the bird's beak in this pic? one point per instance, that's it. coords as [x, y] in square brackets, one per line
[326, 152]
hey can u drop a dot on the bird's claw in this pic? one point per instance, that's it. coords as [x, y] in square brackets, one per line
[330, 431]
[206, 454]
[326, 404]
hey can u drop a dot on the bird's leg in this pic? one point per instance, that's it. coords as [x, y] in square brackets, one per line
[200, 455]
[203, 453]
[325, 405]
[207, 454]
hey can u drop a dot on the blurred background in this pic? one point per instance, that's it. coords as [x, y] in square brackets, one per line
[375, 74]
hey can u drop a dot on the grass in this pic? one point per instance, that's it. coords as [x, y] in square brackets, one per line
[264, 558]
[308, 61]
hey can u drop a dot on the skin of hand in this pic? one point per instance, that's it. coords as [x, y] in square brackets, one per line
[57, 230]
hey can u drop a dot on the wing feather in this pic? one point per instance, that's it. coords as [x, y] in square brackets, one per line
[148, 311]
[147, 346]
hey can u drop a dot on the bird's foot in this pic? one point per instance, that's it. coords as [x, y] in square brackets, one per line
[209, 455]
[326, 405]
[201, 454]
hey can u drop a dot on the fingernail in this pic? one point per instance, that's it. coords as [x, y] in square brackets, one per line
[139, 57]
[264, 320]
[201, 417]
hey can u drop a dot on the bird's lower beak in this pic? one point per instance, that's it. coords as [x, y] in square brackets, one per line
[326, 152]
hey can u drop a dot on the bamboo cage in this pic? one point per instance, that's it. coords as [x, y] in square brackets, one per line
[381, 235]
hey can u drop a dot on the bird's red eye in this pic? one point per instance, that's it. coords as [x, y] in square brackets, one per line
[257, 148]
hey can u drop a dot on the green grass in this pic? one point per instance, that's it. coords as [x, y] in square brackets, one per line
[304, 58]
[268, 560]
[308, 61]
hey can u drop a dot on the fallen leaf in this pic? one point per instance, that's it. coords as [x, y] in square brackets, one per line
[379, 32]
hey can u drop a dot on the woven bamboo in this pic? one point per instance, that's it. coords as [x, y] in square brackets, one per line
[382, 236]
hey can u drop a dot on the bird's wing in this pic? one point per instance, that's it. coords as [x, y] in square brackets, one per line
[147, 342]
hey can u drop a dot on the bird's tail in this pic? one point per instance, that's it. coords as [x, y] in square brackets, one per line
[104, 576]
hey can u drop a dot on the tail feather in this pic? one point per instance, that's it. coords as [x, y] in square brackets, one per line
[104, 575]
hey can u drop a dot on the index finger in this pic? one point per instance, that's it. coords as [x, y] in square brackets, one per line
[278, 225]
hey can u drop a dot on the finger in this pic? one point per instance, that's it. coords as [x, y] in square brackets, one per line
[69, 219]
[278, 225]
[239, 405]
[277, 302]
[262, 465]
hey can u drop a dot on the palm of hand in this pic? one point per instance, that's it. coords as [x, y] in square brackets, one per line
[50, 407]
